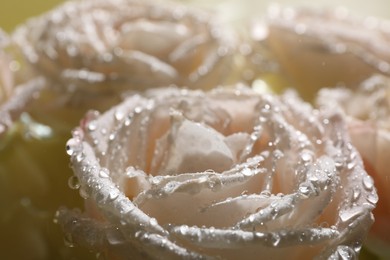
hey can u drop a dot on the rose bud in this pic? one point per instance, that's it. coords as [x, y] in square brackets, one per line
[224, 174]
[320, 48]
[367, 111]
[127, 44]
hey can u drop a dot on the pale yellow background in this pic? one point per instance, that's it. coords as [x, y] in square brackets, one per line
[13, 12]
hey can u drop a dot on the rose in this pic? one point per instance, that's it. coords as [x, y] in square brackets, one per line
[129, 44]
[367, 110]
[321, 48]
[227, 173]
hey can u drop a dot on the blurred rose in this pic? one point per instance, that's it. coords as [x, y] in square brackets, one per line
[367, 110]
[321, 48]
[129, 44]
[227, 173]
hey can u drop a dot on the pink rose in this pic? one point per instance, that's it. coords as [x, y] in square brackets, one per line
[320, 48]
[226, 173]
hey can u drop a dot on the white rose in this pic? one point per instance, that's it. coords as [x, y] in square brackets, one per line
[367, 110]
[224, 174]
[128, 44]
[324, 47]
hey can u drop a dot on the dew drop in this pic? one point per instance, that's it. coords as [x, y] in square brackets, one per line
[71, 146]
[83, 193]
[306, 156]
[345, 253]
[275, 240]
[111, 137]
[372, 198]
[104, 173]
[80, 157]
[304, 190]
[153, 222]
[137, 110]
[368, 183]
[73, 182]
[113, 195]
[183, 230]
[265, 193]
[356, 194]
[92, 126]
[302, 237]
[247, 172]
[119, 115]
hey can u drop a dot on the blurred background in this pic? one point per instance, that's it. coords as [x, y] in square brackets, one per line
[15, 12]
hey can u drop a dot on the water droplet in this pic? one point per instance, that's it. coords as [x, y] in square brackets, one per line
[356, 194]
[357, 246]
[153, 222]
[137, 109]
[247, 172]
[71, 146]
[304, 190]
[92, 126]
[275, 240]
[265, 193]
[368, 183]
[119, 115]
[345, 252]
[111, 137]
[372, 198]
[83, 193]
[73, 182]
[113, 195]
[306, 156]
[277, 154]
[80, 157]
[302, 236]
[183, 230]
[104, 173]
